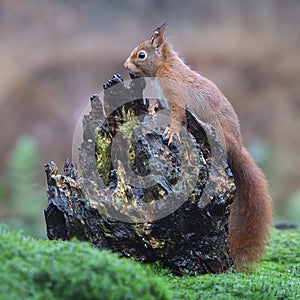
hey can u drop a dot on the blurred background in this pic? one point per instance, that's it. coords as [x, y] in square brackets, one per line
[55, 54]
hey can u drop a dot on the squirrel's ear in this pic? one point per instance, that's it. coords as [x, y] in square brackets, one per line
[158, 36]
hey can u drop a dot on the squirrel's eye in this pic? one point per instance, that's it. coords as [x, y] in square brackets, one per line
[142, 54]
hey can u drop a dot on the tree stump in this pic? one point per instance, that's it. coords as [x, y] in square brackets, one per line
[133, 193]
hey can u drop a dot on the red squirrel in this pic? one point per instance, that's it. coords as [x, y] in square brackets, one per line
[251, 212]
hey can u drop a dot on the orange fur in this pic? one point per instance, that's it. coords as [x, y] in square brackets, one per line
[251, 212]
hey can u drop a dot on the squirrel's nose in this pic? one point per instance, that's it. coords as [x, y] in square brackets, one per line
[129, 65]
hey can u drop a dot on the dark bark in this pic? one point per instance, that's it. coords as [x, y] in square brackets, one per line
[135, 194]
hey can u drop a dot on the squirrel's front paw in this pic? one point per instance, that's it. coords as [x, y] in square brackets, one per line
[152, 109]
[152, 112]
[170, 133]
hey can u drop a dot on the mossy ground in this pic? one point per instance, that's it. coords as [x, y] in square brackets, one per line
[38, 269]
[277, 277]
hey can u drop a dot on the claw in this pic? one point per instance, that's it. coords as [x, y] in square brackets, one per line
[152, 112]
[153, 108]
[170, 133]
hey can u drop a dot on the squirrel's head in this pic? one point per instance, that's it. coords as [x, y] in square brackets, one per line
[146, 57]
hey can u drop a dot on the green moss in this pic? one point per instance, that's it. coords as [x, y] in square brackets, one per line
[103, 147]
[131, 154]
[32, 269]
[125, 124]
[128, 122]
[277, 277]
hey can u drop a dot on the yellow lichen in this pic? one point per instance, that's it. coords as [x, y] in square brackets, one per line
[129, 122]
[103, 145]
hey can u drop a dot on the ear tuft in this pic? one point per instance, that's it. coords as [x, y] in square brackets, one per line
[158, 36]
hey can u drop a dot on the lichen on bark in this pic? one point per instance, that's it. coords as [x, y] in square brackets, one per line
[139, 196]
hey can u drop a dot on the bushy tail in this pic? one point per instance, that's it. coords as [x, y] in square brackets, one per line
[251, 211]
